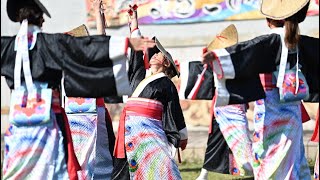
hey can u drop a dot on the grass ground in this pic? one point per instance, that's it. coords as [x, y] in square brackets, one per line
[190, 171]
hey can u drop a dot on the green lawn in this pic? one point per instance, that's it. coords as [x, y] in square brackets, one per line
[190, 171]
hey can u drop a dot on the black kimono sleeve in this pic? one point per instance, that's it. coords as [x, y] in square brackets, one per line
[259, 55]
[309, 59]
[240, 65]
[173, 116]
[190, 74]
[137, 71]
[93, 66]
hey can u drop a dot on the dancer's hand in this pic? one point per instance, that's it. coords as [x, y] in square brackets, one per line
[133, 17]
[208, 57]
[98, 6]
[140, 44]
[183, 144]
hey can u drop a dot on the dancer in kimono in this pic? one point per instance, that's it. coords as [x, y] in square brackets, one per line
[152, 125]
[38, 143]
[90, 123]
[232, 121]
[197, 84]
[278, 136]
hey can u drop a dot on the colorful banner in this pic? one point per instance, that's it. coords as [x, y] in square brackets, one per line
[182, 11]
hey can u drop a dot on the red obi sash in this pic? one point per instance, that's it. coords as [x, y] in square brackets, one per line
[135, 107]
[266, 81]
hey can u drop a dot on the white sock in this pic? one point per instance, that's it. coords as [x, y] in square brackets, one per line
[203, 175]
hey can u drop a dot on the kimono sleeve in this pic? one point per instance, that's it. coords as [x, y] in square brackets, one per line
[244, 59]
[93, 66]
[194, 84]
[7, 56]
[173, 115]
[309, 59]
[137, 71]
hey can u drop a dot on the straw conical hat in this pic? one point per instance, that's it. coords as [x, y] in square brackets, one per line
[79, 31]
[157, 48]
[281, 9]
[228, 37]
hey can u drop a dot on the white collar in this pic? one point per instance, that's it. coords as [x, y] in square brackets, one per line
[277, 30]
[32, 30]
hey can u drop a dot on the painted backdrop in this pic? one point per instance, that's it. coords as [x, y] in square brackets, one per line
[182, 11]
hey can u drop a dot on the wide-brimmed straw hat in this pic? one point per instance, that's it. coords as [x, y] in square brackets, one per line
[79, 31]
[281, 9]
[227, 37]
[159, 48]
[13, 7]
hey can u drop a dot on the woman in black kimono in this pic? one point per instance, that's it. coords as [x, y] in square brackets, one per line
[38, 141]
[278, 136]
[152, 125]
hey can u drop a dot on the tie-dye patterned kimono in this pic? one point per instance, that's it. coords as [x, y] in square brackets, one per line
[278, 137]
[151, 127]
[46, 151]
[92, 135]
[218, 156]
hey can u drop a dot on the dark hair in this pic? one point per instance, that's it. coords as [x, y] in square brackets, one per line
[277, 23]
[33, 14]
[292, 32]
[169, 70]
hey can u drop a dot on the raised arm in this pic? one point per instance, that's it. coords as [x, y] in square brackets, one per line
[99, 9]
[137, 71]
[259, 55]
[94, 66]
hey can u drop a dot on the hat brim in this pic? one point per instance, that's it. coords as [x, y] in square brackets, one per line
[44, 9]
[159, 48]
[227, 37]
[79, 31]
[279, 10]
[13, 7]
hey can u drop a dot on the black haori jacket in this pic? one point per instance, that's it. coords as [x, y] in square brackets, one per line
[190, 74]
[241, 64]
[93, 66]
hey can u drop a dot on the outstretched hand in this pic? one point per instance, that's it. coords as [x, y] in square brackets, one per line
[140, 44]
[132, 12]
[133, 17]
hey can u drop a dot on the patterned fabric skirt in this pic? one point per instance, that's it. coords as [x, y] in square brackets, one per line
[234, 127]
[149, 154]
[278, 140]
[35, 152]
[90, 140]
